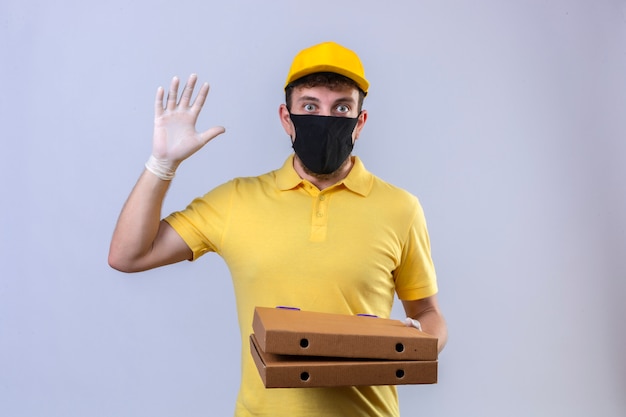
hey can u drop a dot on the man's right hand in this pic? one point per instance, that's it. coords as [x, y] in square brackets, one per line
[175, 137]
[141, 240]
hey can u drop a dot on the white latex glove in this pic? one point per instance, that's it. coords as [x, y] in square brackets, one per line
[175, 137]
[409, 322]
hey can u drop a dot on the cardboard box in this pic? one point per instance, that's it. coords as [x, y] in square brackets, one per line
[295, 332]
[284, 371]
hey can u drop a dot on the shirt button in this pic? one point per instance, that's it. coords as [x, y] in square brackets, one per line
[320, 214]
[322, 197]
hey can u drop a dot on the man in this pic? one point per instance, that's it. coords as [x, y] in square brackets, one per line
[321, 233]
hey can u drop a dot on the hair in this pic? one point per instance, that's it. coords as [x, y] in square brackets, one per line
[330, 80]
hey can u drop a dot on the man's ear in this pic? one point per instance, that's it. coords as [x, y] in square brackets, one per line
[362, 118]
[285, 120]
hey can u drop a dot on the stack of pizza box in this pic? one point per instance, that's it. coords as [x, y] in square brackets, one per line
[297, 349]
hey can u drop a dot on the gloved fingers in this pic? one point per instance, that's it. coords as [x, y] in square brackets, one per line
[172, 95]
[185, 97]
[409, 322]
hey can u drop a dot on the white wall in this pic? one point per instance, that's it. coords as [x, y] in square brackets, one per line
[505, 118]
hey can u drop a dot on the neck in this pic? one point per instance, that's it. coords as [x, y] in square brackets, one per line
[323, 181]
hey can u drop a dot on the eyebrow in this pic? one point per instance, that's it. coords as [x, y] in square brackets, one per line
[309, 98]
[346, 99]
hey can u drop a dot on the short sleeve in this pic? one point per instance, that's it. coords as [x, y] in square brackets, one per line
[202, 223]
[415, 277]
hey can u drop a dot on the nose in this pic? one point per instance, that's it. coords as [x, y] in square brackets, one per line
[325, 111]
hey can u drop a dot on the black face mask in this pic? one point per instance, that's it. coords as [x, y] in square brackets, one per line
[323, 142]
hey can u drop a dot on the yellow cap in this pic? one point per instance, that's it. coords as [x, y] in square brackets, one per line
[328, 57]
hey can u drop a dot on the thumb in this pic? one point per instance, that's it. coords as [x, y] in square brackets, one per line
[409, 322]
[211, 133]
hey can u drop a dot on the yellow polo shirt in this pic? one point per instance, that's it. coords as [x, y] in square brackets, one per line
[345, 249]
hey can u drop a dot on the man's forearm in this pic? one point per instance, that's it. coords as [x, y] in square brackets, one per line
[138, 223]
[427, 312]
[434, 324]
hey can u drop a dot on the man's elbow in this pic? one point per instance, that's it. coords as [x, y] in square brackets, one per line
[121, 263]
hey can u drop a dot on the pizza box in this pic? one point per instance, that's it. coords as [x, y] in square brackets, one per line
[288, 331]
[290, 371]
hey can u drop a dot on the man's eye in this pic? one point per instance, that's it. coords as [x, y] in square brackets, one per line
[310, 107]
[343, 108]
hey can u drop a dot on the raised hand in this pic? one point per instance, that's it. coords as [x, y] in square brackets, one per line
[175, 137]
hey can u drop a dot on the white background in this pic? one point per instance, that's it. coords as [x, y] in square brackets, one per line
[507, 120]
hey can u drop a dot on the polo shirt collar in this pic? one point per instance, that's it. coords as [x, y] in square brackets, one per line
[359, 180]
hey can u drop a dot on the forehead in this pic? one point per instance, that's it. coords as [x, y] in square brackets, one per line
[324, 93]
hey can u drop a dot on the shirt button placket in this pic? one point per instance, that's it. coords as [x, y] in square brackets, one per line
[321, 206]
[319, 225]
